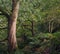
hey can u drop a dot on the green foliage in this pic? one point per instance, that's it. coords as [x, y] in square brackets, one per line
[41, 12]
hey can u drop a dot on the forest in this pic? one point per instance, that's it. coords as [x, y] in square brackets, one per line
[29, 26]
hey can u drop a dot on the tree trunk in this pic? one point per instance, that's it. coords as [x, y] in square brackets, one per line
[49, 27]
[52, 26]
[12, 26]
[32, 28]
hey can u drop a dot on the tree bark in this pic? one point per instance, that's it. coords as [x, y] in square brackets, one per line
[12, 26]
[49, 27]
[52, 27]
[32, 28]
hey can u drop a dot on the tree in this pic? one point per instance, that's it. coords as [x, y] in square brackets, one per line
[12, 19]
[12, 25]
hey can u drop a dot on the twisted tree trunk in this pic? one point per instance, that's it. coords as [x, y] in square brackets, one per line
[12, 26]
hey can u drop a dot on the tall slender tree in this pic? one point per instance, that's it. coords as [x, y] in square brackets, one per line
[12, 19]
[12, 26]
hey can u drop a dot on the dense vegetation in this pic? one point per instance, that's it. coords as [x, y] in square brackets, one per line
[38, 27]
